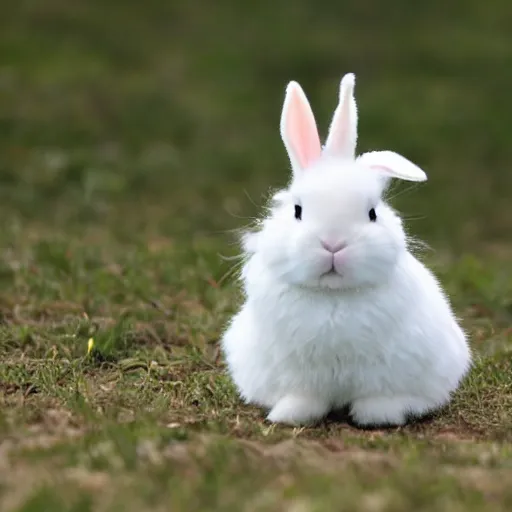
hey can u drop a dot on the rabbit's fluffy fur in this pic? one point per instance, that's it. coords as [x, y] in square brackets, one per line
[338, 311]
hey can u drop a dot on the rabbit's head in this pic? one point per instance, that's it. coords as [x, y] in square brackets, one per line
[331, 228]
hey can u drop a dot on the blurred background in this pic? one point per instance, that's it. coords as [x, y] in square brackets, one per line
[159, 119]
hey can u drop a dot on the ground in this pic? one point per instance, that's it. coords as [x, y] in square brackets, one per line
[135, 139]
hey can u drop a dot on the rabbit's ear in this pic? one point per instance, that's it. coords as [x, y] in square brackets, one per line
[298, 129]
[393, 165]
[342, 137]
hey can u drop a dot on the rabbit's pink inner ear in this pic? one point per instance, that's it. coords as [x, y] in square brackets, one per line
[299, 129]
[382, 168]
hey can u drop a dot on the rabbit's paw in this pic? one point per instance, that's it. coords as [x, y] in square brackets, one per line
[298, 410]
[387, 411]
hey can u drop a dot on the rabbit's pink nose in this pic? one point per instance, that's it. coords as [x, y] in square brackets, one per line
[332, 247]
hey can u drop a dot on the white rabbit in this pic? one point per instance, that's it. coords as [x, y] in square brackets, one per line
[338, 311]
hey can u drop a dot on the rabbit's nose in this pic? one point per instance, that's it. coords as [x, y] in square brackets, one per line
[333, 247]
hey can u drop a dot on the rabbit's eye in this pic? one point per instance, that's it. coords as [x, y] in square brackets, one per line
[372, 215]
[298, 212]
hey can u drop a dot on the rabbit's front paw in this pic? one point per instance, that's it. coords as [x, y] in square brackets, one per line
[387, 411]
[298, 410]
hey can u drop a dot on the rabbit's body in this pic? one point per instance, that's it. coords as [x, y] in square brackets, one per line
[338, 311]
[356, 347]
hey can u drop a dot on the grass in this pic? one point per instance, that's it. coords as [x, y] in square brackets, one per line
[133, 139]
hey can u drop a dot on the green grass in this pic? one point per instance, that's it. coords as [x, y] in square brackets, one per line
[134, 137]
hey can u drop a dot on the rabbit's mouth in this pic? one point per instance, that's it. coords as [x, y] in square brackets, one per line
[330, 273]
[331, 280]
[330, 276]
